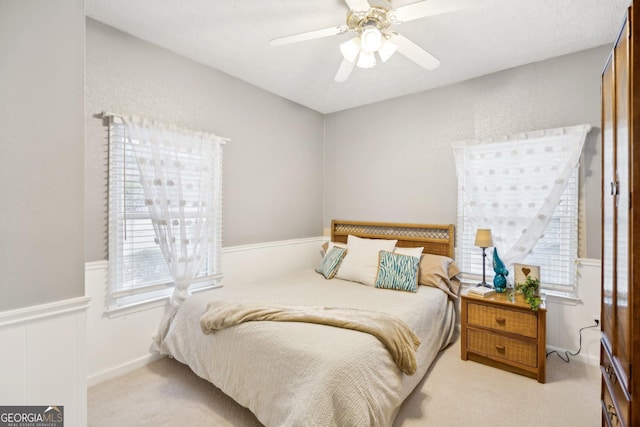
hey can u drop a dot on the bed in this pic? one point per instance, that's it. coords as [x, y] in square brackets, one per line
[293, 373]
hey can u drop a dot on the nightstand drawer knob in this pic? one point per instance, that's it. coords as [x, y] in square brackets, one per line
[500, 348]
[501, 320]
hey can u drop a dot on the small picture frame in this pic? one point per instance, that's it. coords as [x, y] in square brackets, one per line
[522, 271]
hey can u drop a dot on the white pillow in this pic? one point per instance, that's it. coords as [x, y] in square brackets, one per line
[416, 252]
[361, 262]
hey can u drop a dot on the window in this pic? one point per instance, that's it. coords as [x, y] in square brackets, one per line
[525, 189]
[555, 252]
[138, 270]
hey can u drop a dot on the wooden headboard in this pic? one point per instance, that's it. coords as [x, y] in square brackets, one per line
[436, 239]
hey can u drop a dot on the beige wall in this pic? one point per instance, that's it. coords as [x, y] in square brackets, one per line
[41, 151]
[392, 161]
[272, 167]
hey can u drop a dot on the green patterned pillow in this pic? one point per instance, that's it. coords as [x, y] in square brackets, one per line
[331, 261]
[397, 271]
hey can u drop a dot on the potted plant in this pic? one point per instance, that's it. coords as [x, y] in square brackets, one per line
[529, 290]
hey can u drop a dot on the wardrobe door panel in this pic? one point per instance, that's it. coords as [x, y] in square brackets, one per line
[608, 203]
[622, 344]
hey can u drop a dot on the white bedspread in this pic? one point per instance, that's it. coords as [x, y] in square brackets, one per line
[303, 374]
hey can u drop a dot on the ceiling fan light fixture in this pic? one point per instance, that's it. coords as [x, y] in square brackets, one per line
[371, 38]
[387, 49]
[371, 21]
[350, 49]
[366, 59]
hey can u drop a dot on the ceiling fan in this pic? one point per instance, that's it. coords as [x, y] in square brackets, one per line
[372, 26]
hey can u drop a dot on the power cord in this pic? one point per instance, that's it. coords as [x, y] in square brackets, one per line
[568, 353]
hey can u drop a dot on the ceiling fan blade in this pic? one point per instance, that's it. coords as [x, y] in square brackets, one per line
[310, 35]
[344, 71]
[358, 5]
[422, 9]
[415, 53]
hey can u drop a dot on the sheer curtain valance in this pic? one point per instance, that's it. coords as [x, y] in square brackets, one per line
[513, 185]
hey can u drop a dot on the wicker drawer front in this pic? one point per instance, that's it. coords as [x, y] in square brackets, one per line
[517, 322]
[501, 347]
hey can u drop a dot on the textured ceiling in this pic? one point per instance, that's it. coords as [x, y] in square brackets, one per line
[484, 37]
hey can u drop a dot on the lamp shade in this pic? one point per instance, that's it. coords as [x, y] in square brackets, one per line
[366, 59]
[350, 49]
[484, 238]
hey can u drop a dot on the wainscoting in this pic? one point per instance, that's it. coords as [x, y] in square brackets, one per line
[566, 316]
[118, 344]
[43, 357]
[51, 352]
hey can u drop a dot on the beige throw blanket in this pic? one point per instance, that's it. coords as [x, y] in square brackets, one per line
[393, 333]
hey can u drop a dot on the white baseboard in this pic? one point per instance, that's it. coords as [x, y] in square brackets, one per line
[122, 369]
[588, 359]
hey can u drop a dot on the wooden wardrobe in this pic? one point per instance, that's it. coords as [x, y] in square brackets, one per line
[620, 309]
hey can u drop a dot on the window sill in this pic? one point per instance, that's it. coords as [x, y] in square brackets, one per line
[124, 310]
[546, 294]
[560, 297]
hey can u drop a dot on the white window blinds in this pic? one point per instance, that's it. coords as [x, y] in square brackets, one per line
[524, 188]
[140, 268]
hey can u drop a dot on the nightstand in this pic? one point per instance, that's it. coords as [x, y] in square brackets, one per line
[504, 334]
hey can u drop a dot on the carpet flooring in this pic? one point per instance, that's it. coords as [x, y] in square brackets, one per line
[453, 393]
